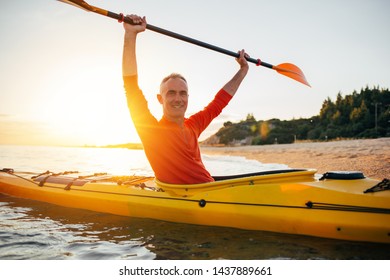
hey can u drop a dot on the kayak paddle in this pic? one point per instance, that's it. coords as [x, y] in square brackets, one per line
[287, 69]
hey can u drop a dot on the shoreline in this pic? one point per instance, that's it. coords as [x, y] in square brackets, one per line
[371, 156]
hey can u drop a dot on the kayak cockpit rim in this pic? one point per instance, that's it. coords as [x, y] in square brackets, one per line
[243, 179]
[261, 173]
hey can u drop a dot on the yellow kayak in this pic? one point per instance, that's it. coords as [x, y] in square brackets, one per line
[340, 205]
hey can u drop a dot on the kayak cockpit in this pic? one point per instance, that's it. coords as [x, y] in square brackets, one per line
[257, 178]
[261, 173]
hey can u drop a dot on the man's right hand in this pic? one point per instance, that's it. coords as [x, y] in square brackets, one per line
[138, 26]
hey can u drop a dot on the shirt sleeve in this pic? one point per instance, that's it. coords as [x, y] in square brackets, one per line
[202, 119]
[138, 105]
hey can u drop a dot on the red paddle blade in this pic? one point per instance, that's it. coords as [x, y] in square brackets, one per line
[292, 71]
[78, 3]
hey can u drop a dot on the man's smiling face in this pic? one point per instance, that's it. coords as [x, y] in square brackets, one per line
[174, 98]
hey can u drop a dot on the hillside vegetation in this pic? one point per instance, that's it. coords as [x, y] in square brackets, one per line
[358, 115]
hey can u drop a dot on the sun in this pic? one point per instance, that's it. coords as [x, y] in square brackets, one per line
[80, 107]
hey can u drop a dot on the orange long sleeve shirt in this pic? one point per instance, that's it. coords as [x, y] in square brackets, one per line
[173, 151]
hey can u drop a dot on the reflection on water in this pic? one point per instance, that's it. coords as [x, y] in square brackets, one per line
[35, 230]
[85, 160]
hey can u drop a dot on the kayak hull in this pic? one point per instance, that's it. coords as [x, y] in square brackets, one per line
[294, 202]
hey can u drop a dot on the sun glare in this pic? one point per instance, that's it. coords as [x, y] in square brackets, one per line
[85, 108]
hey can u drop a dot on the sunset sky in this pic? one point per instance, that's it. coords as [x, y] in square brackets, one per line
[61, 82]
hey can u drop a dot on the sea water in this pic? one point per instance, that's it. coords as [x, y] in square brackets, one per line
[114, 161]
[35, 230]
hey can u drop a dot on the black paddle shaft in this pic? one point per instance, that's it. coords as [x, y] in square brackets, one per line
[121, 18]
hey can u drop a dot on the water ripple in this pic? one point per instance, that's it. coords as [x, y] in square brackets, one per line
[27, 234]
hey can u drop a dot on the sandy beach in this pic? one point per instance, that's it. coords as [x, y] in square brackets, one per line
[371, 156]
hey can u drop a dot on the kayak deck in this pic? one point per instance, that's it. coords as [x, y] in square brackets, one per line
[293, 201]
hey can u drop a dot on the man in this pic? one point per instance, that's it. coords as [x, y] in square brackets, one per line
[171, 144]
